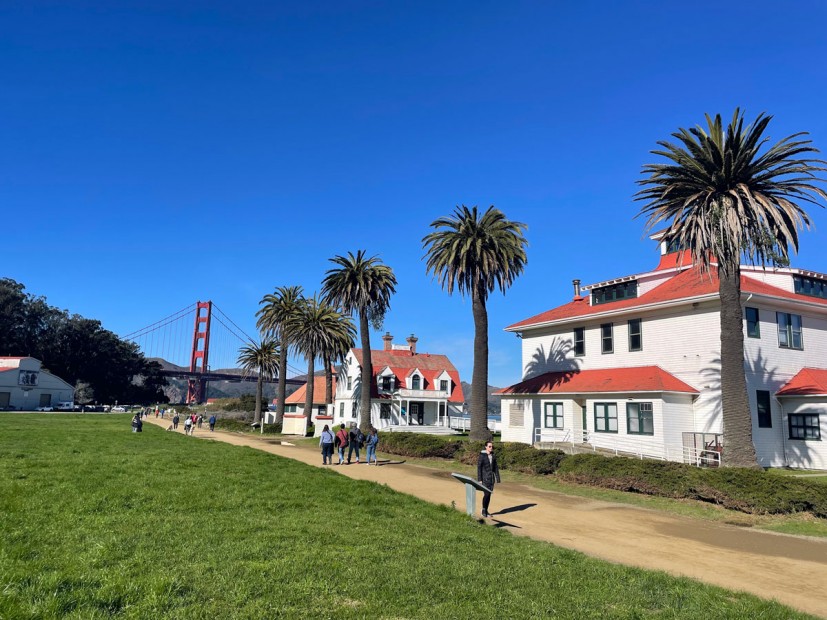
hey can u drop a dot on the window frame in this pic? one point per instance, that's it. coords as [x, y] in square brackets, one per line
[753, 326]
[802, 425]
[640, 418]
[639, 334]
[606, 418]
[603, 338]
[557, 418]
[443, 385]
[579, 331]
[349, 383]
[416, 382]
[341, 411]
[386, 383]
[764, 417]
[789, 332]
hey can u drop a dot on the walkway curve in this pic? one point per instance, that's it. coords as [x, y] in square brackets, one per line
[789, 569]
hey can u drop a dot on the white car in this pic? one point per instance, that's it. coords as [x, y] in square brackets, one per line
[45, 409]
[119, 409]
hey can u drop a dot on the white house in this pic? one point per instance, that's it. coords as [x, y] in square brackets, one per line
[408, 389]
[25, 386]
[633, 364]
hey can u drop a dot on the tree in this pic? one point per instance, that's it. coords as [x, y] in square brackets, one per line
[315, 328]
[725, 198]
[263, 359]
[476, 254]
[274, 314]
[361, 286]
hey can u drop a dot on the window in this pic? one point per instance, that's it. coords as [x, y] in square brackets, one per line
[443, 385]
[614, 292]
[579, 340]
[804, 426]
[762, 398]
[386, 384]
[553, 415]
[415, 382]
[635, 335]
[810, 286]
[639, 419]
[385, 411]
[789, 330]
[516, 414]
[349, 383]
[753, 325]
[605, 417]
[321, 410]
[673, 245]
[606, 338]
[341, 410]
[290, 409]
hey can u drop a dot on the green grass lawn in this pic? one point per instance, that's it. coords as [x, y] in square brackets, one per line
[99, 522]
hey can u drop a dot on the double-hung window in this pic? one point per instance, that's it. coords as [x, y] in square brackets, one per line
[605, 417]
[762, 400]
[753, 324]
[443, 385]
[415, 382]
[607, 338]
[341, 410]
[349, 383]
[635, 335]
[639, 420]
[386, 384]
[553, 415]
[789, 330]
[804, 426]
[579, 341]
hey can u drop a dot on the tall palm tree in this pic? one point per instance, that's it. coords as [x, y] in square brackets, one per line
[315, 328]
[476, 254]
[725, 198]
[334, 353]
[263, 359]
[362, 286]
[274, 313]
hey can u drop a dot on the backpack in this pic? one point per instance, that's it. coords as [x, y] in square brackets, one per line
[360, 437]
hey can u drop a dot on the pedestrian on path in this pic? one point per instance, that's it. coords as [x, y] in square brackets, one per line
[370, 445]
[200, 419]
[326, 444]
[212, 423]
[175, 420]
[188, 426]
[341, 443]
[355, 439]
[488, 472]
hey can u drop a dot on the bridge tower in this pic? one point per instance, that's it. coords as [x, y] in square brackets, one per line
[197, 386]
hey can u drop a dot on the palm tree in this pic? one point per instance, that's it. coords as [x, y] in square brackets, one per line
[316, 328]
[363, 286]
[476, 254]
[274, 313]
[336, 352]
[725, 197]
[263, 359]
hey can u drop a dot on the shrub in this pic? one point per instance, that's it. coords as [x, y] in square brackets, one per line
[516, 457]
[419, 445]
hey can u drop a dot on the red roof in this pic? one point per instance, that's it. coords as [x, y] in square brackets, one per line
[298, 397]
[808, 382]
[402, 363]
[606, 380]
[683, 258]
[688, 284]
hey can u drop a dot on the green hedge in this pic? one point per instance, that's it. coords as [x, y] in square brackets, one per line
[243, 426]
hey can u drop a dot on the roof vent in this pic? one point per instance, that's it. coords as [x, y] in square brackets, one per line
[576, 284]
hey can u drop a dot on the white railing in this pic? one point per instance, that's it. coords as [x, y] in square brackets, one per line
[628, 446]
[406, 393]
[464, 424]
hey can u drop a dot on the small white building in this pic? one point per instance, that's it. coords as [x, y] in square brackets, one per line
[25, 386]
[633, 364]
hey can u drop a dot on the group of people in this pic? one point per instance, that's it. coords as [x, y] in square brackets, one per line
[353, 440]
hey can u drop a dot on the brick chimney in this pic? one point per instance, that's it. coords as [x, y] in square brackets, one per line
[388, 340]
[412, 343]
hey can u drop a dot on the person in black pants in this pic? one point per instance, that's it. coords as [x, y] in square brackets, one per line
[488, 472]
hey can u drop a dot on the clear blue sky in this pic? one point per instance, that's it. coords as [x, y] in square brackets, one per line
[158, 153]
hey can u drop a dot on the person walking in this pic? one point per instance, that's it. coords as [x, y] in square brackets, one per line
[370, 445]
[212, 423]
[136, 419]
[200, 419]
[488, 472]
[326, 444]
[355, 439]
[175, 420]
[188, 426]
[341, 443]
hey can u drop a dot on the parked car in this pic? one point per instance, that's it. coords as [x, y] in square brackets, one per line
[65, 406]
[45, 409]
[119, 409]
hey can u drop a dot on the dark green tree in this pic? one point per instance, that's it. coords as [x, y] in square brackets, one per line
[261, 358]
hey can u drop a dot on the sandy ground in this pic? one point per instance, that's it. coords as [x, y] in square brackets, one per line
[789, 569]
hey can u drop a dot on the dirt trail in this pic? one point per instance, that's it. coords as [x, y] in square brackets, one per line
[789, 569]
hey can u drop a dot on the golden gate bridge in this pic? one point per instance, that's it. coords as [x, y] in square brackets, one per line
[200, 343]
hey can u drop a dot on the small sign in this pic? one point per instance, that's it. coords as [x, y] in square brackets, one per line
[479, 486]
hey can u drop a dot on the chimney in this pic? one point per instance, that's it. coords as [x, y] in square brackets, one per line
[388, 340]
[576, 284]
[412, 343]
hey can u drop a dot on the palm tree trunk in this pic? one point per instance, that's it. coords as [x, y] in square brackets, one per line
[308, 395]
[739, 450]
[259, 386]
[281, 390]
[479, 377]
[366, 373]
[328, 381]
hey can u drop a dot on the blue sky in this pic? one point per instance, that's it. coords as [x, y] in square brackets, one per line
[157, 154]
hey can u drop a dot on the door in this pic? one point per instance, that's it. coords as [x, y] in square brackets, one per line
[45, 400]
[417, 413]
[4, 400]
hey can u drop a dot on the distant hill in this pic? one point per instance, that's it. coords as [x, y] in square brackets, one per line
[493, 402]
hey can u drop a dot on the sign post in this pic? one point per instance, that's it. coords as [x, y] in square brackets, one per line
[471, 488]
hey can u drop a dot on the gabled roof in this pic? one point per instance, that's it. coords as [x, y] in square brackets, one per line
[298, 397]
[807, 382]
[605, 380]
[688, 284]
[403, 363]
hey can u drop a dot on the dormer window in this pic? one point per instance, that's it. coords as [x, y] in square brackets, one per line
[812, 287]
[443, 385]
[673, 245]
[416, 382]
[614, 292]
[388, 383]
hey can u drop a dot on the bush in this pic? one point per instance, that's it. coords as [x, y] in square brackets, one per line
[516, 457]
[419, 445]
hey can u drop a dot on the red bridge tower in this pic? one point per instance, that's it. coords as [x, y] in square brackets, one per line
[197, 386]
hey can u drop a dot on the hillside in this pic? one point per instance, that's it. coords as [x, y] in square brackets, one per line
[493, 402]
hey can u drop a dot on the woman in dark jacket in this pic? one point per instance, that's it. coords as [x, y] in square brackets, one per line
[488, 472]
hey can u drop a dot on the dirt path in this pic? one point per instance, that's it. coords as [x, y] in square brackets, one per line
[790, 569]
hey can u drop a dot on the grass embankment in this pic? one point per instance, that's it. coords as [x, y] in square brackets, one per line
[100, 522]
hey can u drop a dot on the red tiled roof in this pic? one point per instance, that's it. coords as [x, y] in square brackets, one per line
[297, 397]
[673, 260]
[637, 379]
[687, 284]
[807, 382]
[402, 363]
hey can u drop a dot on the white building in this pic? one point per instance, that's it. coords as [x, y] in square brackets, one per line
[25, 386]
[408, 390]
[633, 364]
